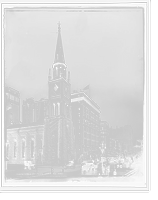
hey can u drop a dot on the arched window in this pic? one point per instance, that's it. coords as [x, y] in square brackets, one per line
[32, 148]
[58, 105]
[7, 149]
[56, 71]
[15, 149]
[54, 108]
[68, 110]
[23, 148]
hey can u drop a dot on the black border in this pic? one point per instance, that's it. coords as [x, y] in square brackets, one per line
[142, 183]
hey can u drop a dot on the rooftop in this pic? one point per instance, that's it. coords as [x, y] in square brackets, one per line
[82, 96]
[22, 125]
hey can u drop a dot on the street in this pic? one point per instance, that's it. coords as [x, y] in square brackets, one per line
[16, 174]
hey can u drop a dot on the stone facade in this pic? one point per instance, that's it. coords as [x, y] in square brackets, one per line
[47, 144]
[25, 144]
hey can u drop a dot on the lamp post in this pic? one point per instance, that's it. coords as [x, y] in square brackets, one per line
[102, 149]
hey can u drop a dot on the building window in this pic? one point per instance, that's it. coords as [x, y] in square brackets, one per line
[33, 115]
[58, 111]
[7, 149]
[23, 148]
[54, 108]
[15, 149]
[56, 69]
[41, 144]
[32, 148]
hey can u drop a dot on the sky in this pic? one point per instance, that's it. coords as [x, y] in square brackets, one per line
[102, 49]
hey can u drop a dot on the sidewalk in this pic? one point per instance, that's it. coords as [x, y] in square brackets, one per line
[17, 171]
[120, 171]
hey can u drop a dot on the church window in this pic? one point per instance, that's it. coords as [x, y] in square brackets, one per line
[58, 105]
[32, 148]
[15, 149]
[23, 148]
[54, 108]
[7, 149]
[56, 71]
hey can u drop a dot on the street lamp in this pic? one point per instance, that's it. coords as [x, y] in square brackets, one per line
[102, 149]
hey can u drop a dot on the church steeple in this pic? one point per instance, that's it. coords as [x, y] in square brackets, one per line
[59, 55]
[59, 66]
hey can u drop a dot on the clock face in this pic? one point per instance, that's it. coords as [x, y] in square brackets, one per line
[55, 88]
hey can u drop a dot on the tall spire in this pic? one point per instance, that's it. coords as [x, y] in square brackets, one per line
[59, 53]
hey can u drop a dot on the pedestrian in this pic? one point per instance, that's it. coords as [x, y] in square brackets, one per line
[108, 169]
[52, 169]
[114, 172]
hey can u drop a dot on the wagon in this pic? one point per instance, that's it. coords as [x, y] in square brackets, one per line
[70, 164]
[29, 164]
[88, 167]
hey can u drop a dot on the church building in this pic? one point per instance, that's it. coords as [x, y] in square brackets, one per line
[49, 138]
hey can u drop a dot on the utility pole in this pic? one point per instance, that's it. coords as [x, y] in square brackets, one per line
[102, 149]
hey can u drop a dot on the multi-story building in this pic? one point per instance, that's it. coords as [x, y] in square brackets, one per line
[86, 121]
[34, 111]
[120, 141]
[12, 106]
[104, 131]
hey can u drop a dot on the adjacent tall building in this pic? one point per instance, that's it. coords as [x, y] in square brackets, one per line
[86, 121]
[104, 132]
[12, 106]
[124, 136]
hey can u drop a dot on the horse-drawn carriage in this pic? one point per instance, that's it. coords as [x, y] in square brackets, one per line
[88, 167]
[70, 164]
[28, 164]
